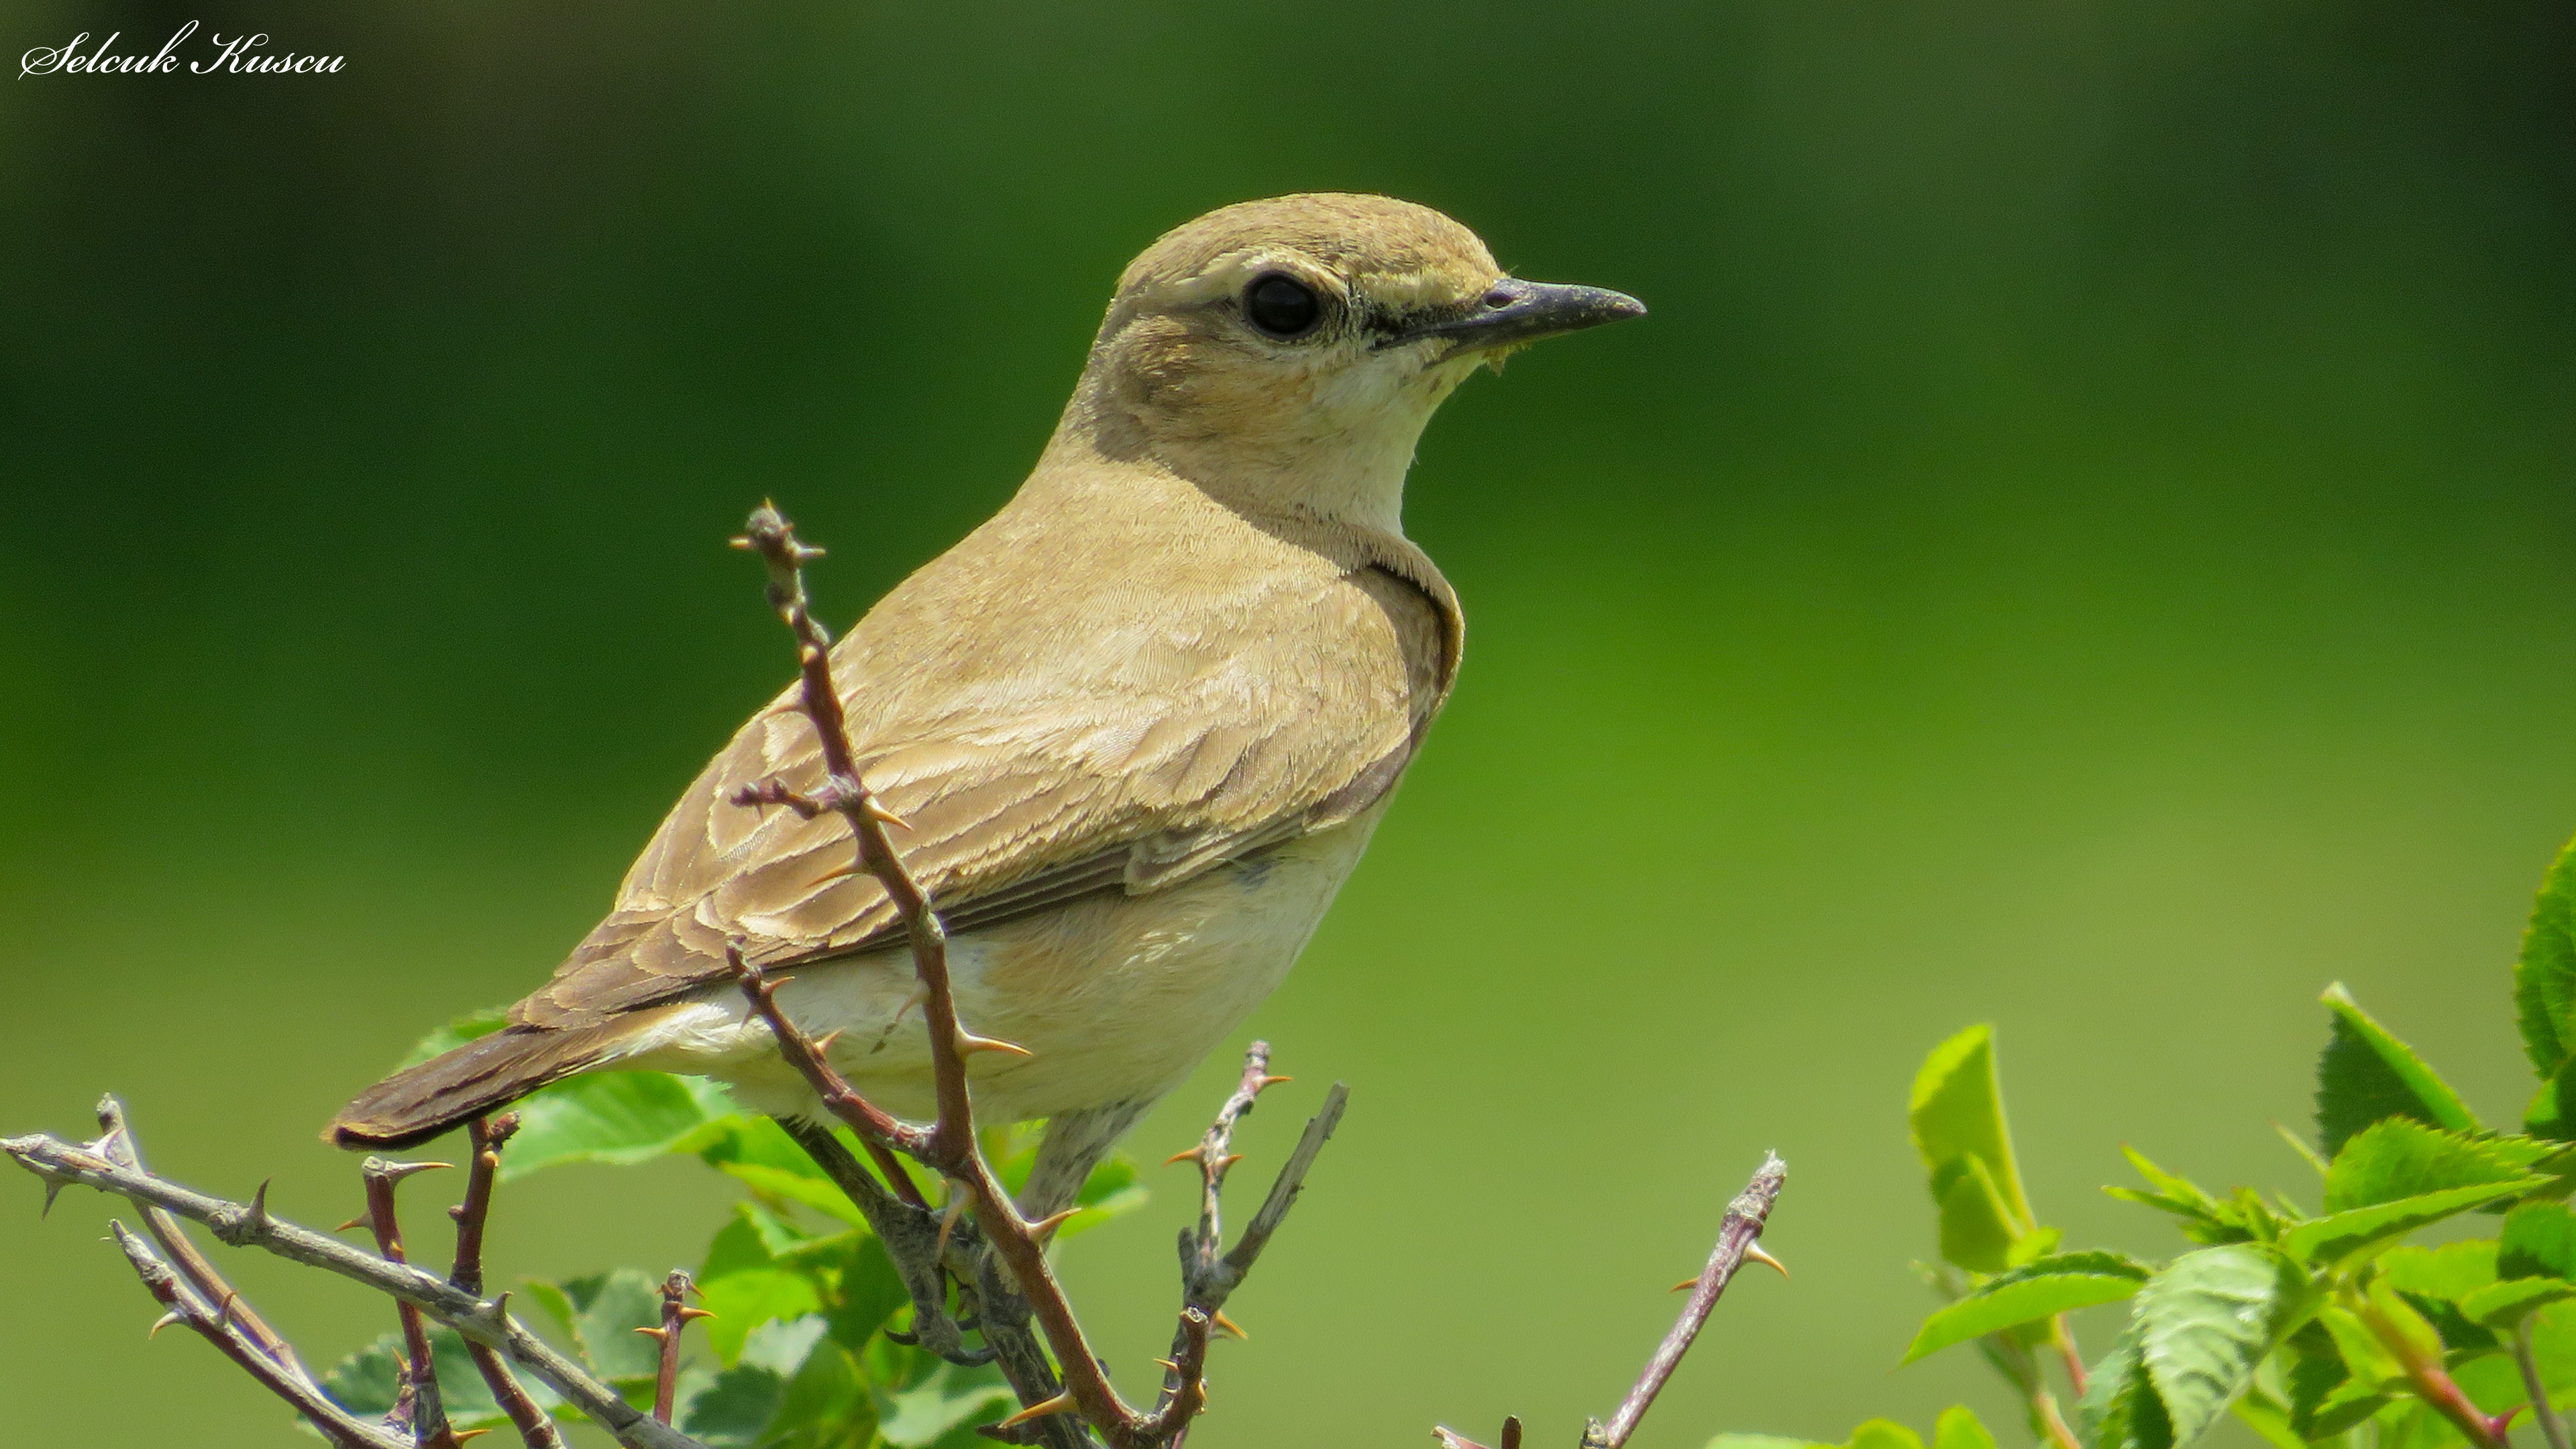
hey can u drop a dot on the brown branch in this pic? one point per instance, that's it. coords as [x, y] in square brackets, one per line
[1736, 1236]
[223, 1324]
[419, 1404]
[488, 1134]
[117, 1143]
[676, 1314]
[251, 1225]
[948, 1146]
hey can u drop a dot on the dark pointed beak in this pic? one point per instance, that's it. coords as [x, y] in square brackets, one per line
[1516, 311]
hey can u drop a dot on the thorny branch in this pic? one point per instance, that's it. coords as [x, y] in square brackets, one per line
[251, 1225]
[997, 1257]
[486, 1135]
[1737, 1240]
[948, 1145]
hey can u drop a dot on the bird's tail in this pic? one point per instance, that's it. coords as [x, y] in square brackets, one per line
[418, 1103]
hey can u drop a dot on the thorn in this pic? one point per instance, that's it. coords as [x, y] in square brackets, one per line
[968, 1043]
[1168, 1365]
[1512, 1431]
[823, 1043]
[1184, 1155]
[164, 1321]
[459, 1436]
[224, 1310]
[1267, 1082]
[1229, 1160]
[948, 1221]
[652, 1333]
[1045, 1227]
[877, 812]
[357, 1222]
[53, 1189]
[1229, 1325]
[838, 872]
[691, 1315]
[1689, 1282]
[1754, 1252]
[1056, 1405]
[397, 1171]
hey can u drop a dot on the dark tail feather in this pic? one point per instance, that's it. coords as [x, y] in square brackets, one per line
[418, 1103]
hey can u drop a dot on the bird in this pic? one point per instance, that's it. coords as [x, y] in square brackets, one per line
[1139, 725]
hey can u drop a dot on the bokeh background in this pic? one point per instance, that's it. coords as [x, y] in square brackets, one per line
[2085, 542]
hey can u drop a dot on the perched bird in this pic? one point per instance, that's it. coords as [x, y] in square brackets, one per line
[1140, 724]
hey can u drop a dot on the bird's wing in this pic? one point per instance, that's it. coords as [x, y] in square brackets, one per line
[1026, 787]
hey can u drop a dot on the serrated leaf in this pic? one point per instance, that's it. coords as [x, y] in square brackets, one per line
[618, 1118]
[2041, 1289]
[2505, 1305]
[1960, 1428]
[1956, 1112]
[2399, 1158]
[825, 1393]
[2367, 1075]
[603, 1311]
[868, 1293]
[2452, 1271]
[2205, 1323]
[2544, 979]
[813, 1191]
[2120, 1408]
[2339, 1240]
[2538, 1241]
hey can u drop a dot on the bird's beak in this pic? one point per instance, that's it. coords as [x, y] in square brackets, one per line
[1513, 311]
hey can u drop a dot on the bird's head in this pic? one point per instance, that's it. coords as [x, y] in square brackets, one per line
[1288, 352]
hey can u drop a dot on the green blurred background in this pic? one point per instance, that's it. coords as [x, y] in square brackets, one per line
[2085, 541]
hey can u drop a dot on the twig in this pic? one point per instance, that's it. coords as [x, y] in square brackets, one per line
[117, 1143]
[222, 1325]
[419, 1404]
[247, 1225]
[948, 1146]
[488, 1134]
[2552, 1427]
[1743, 1223]
[676, 1314]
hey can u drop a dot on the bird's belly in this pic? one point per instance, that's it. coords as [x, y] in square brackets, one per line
[1116, 997]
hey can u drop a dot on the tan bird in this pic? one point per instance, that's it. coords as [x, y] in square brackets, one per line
[1141, 723]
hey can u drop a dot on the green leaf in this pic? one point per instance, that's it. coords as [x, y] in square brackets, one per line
[734, 1412]
[1960, 1428]
[602, 1312]
[2538, 1241]
[2342, 1239]
[1883, 1434]
[920, 1416]
[2120, 1408]
[1977, 1226]
[2452, 1271]
[746, 1300]
[368, 1382]
[1957, 1116]
[2544, 980]
[812, 1191]
[1765, 1441]
[2324, 1399]
[2205, 1219]
[2399, 1158]
[2205, 1323]
[2505, 1305]
[2043, 1288]
[2367, 1076]
[868, 1293]
[827, 1397]
[615, 1117]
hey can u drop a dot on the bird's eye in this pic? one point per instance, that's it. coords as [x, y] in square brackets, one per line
[1281, 305]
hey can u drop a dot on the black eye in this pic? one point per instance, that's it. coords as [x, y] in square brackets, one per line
[1281, 305]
